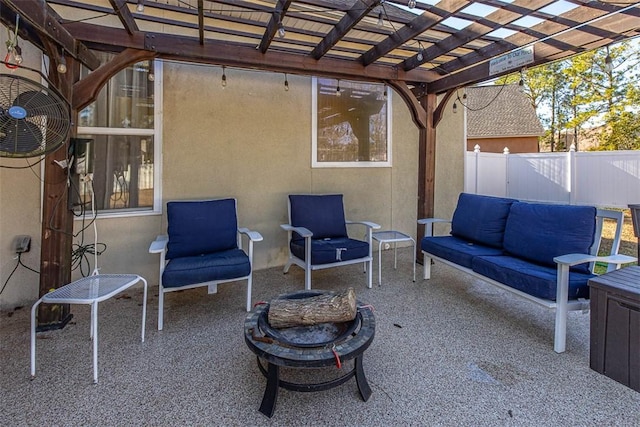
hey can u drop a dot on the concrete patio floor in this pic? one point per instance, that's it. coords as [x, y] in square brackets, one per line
[449, 351]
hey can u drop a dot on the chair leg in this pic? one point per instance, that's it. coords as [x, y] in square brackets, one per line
[307, 279]
[369, 273]
[249, 283]
[287, 266]
[160, 307]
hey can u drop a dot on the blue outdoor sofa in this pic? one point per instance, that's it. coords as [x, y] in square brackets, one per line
[542, 252]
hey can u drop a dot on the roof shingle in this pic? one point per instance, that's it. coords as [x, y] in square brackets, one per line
[500, 111]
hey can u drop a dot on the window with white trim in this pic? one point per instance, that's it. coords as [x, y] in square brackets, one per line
[351, 124]
[123, 157]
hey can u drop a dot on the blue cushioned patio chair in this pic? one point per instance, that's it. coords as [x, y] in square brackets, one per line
[203, 248]
[318, 236]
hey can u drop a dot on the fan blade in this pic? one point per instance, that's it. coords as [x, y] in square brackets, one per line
[37, 103]
[19, 138]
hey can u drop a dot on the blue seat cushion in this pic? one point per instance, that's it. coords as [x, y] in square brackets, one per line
[533, 279]
[224, 265]
[458, 251]
[481, 219]
[538, 232]
[201, 227]
[323, 215]
[326, 251]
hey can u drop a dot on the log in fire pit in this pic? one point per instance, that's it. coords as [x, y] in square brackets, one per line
[318, 345]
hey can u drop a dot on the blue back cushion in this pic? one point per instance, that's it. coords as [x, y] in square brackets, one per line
[481, 219]
[201, 227]
[323, 215]
[539, 232]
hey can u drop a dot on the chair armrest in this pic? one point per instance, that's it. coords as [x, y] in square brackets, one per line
[367, 224]
[425, 221]
[159, 245]
[302, 231]
[428, 223]
[574, 259]
[253, 235]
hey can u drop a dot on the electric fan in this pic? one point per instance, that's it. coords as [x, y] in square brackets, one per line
[34, 119]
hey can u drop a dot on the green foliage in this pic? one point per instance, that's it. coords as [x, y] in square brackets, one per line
[623, 133]
[580, 92]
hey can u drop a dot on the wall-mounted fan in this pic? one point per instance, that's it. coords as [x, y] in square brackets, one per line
[34, 119]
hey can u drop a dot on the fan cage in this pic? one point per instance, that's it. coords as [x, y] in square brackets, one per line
[34, 119]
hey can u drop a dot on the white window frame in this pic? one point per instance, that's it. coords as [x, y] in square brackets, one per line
[156, 132]
[354, 164]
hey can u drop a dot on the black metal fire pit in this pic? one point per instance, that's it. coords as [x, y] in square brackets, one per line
[317, 346]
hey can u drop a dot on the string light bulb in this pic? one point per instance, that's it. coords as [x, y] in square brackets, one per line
[380, 20]
[223, 82]
[62, 63]
[286, 83]
[455, 107]
[140, 6]
[338, 89]
[411, 4]
[281, 30]
[420, 55]
[17, 54]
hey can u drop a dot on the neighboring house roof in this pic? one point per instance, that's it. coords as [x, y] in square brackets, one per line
[500, 111]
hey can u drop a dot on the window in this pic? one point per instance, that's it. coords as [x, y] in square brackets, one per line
[123, 126]
[351, 124]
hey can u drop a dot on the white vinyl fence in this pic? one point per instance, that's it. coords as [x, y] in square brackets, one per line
[598, 178]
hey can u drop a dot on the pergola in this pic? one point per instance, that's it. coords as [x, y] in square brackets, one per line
[421, 49]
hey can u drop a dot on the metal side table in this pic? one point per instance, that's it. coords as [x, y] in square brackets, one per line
[392, 236]
[88, 290]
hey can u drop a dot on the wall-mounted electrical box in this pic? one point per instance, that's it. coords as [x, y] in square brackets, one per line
[21, 244]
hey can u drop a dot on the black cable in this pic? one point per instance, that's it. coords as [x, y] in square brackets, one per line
[80, 256]
[19, 263]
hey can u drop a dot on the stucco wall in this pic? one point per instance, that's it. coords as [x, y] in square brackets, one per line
[19, 207]
[252, 141]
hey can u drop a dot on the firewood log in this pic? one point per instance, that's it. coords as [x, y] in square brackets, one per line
[330, 307]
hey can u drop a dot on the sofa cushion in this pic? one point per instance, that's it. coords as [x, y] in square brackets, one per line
[200, 227]
[481, 219]
[539, 232]
[458, 251]
[224, 265]
[323, 215]
[327, 251]
[533, 279]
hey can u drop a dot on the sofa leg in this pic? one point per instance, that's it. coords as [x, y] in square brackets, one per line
[562, 295]
[427, 266]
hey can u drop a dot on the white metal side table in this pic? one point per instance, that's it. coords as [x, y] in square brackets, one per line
[88, 290]
[392, 236]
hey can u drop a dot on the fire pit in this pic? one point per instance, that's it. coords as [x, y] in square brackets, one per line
[317, 346]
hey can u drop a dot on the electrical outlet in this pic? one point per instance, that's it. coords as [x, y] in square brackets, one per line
[21, 244]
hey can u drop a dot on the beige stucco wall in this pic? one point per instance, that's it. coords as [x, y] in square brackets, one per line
[251, 141]
[19, 207]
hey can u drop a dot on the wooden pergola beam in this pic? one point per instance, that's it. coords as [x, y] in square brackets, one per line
[272, 26]
[38, 15]
[124, 14]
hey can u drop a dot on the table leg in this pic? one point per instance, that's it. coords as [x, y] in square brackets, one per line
[380, 263]
[144, 306]
[413, 243]
[94, 327]
[270, 397]
[34, 309]
[361, 380]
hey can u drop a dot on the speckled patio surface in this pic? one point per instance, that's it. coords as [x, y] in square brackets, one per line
[448, 351]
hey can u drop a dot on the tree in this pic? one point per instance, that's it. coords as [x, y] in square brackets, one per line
[593, 88]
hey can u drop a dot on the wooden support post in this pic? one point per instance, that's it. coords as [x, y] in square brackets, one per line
[57, 219]
[426, 167]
